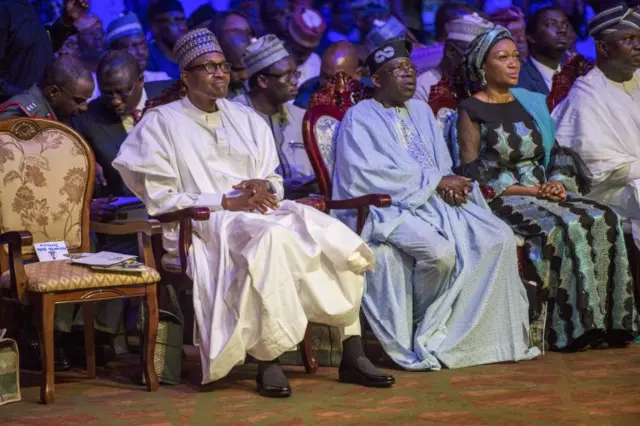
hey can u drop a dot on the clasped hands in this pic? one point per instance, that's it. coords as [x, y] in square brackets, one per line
[454, 189]
[553, 191]
[252, 195]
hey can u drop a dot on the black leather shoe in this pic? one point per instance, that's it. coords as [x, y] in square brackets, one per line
[273, 391]
[277, 386]
[361, 375]
[60, 360]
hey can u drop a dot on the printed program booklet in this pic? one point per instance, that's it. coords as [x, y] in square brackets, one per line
[109, 262]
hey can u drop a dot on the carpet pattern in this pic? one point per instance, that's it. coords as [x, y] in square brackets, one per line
[594, 387]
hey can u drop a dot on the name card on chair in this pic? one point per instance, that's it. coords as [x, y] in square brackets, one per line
[54, 250]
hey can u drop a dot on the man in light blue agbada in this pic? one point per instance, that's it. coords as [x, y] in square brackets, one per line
[445, 290]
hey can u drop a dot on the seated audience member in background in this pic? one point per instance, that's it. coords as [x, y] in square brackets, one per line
[341, 25]
[226, 22]
[461, 32]
[26, 46]
[111, 117]
[507, 142]
[445, 290]
[250, 9]
[206, 151]
[548, 33]
[126, 34]
[339, 57]
[367, 12]
[275, 16]
[201, 17]
[305, 30]
[92, 43]
[512, 18]
[62, 93]
[234, 34]
[168, 24]
[431, 55]
[600, 118]
[273, 79]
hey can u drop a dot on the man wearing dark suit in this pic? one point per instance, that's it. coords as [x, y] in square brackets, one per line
[110, 118]
[548, 40]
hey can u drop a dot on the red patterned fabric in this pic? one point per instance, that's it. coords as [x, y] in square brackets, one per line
[341, 92]
[450, 91]
[168, 95]
[562, 82]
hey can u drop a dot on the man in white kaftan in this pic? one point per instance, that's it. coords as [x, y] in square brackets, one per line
[445, 290]
[600, 118]
[258, 278]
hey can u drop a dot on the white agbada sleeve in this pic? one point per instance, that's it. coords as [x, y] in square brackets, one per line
[583, 125]
[267, 154]
[146, 162]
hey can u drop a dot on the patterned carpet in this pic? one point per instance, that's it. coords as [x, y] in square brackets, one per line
[600, 387]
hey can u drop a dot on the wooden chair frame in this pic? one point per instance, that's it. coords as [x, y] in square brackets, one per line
[14, 262]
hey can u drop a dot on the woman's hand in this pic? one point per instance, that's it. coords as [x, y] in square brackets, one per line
[553, 191]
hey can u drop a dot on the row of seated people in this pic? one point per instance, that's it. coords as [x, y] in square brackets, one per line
[445, 289]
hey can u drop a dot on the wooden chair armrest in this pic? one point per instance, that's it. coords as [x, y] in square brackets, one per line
[184, 216]
[193, 213]
[361, 205]
[377, 200]
[315, 202]
[149, 227]
[146, 230]
[16, 241]
[488, 192]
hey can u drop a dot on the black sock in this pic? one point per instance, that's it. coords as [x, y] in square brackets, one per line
[352, 350]
[271, 374]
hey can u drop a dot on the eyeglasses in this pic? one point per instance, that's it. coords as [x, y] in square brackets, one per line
[122, 95]
[287, 77]
[212, 67]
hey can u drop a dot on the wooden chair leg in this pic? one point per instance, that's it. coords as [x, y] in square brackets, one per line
[150, 333]
[309, 360]
[47, 309]
[89, 310]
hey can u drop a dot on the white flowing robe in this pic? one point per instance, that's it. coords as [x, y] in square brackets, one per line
[258, 279]
[601, 122]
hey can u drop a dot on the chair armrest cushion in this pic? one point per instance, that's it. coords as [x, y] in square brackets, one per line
[377, 200]
[193, 213]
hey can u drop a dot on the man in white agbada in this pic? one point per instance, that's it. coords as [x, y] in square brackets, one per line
[261, 271]
[600, 118]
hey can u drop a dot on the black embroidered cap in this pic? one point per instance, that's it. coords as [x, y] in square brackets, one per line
[387, 52]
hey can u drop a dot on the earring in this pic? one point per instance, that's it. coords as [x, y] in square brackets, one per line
[182, 92]
[484, 78]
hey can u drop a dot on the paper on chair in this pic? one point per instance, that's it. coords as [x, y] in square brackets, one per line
[104, 258]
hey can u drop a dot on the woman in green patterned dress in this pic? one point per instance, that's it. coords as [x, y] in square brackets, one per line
[507, 142]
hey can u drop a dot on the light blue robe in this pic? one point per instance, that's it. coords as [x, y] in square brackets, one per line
[445, 289]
